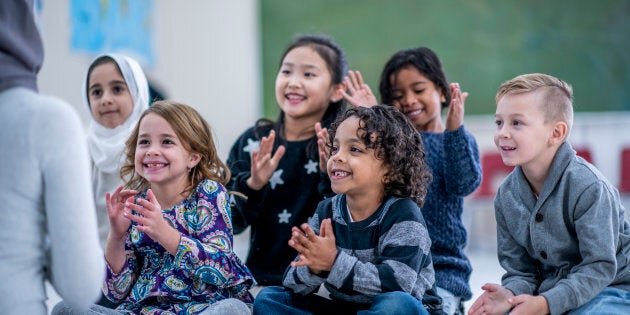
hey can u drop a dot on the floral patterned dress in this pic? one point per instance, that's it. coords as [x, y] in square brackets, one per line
[204, 270]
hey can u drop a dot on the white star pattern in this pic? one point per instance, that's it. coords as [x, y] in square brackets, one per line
[251, 146]
[311, 167]
[275, 179]
[284, 216]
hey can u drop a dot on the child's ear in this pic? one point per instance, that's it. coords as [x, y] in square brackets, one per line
[336, 95]
[559, 132]
[194, 160]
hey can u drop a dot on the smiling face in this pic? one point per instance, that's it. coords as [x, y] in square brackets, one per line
[304, 86]
[160, 156]
[110, 100]
[353, 168]
[523, 136]
[418, 98]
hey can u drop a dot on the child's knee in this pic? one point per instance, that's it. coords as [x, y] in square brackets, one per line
[273, 294]
[397, 302]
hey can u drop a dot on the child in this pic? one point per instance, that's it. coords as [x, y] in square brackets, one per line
[169, 248]
[277, 165]
[413, 81]
[368, 245]
[116, 93]
[562, 237]
[48, 223]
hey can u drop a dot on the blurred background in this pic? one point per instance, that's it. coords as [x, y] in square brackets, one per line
[222, 57]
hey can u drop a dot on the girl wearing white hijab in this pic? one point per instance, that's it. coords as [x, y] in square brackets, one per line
[116, 92]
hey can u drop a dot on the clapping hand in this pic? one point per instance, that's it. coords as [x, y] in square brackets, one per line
[263, 163]
[316, 252]
[117, 213]
[359, 93]
[322, 146]
[455, 114]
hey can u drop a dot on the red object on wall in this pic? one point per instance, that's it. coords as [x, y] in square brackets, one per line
[585, 154]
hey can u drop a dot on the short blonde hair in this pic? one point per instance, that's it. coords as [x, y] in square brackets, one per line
[558, 95]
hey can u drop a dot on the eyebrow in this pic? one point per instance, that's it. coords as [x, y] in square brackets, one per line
[95, 85]
[306, 66]
[163, 135]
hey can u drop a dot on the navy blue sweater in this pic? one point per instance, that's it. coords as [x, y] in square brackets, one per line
[453, 157]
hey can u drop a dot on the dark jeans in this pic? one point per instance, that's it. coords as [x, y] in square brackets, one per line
[278, 300]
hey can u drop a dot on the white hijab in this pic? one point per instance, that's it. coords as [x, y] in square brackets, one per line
[107, 145]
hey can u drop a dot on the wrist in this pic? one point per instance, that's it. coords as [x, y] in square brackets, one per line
[253, 185]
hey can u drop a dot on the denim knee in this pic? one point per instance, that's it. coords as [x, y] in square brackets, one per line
[397, 302]
[272, 300]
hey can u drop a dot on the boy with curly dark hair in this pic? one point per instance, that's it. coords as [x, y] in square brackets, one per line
[369, 244]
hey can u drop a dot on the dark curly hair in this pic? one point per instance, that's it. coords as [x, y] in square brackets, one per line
[425, 61]
[396, 142]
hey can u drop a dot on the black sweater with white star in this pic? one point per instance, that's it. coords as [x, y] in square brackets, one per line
[287, 200]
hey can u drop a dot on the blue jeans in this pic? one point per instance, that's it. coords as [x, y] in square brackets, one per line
[609, 301]
[278, 300]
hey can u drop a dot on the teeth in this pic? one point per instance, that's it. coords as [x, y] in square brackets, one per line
[339, 173]
[295, 97]
[155, 165]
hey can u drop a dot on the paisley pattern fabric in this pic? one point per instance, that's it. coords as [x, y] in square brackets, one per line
[204, 270]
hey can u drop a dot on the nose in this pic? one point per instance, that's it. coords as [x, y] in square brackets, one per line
[106, 99]
[338, 156]
[502, 131]
[151, 151]
[294, 81]
[409, 99]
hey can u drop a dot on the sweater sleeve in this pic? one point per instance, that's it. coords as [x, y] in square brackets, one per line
[77, 264]
[244, 210]
[118, 285]
[462, 167]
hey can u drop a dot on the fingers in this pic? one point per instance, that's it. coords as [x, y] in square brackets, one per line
[491, 287]
[308, 231]
[518, 299]
[302, 261]
[152, 201]
[277, 156]
[326, 229]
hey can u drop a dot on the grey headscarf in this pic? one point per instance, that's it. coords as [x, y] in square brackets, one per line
[21, 49]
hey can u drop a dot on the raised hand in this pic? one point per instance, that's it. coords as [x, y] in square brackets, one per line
[117, 212]
[493, 301]
[149, 219]
[316, 252]
[455, 114]
[322, 146]
[263, 163]
[359, 93]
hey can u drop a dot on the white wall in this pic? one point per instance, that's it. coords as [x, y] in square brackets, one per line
[207, 56]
